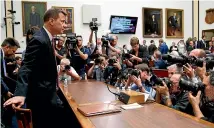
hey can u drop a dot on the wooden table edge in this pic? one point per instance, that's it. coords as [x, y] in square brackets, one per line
[187, 115]
[84, 121]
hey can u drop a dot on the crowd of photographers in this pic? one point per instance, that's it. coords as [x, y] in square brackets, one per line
[188, 88]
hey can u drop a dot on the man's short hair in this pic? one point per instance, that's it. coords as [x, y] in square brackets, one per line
[175, 66]
[53, 13]
[17, 58]
[143, 67]
[134, 41]
[11, 42]
[202, 53]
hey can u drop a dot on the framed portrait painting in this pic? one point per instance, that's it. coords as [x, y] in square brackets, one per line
[174, 23]
[152, 23]
[69, 18]
[32, 14]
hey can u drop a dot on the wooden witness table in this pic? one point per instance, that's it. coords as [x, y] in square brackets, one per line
[151, 115]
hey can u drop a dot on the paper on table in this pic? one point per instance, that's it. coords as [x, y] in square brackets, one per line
[146, 96]
[131, 106]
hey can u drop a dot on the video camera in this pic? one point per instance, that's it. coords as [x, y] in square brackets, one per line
[71, 41]
[191, 60]
[93, 24]
[190, 86]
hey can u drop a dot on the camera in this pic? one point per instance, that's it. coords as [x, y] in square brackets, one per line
[71, 41]
[67, 67]
[93, 24]
[190, 86]
[126, 56]
[105, 40]
[98, 61]
[112, 61]
[134, 72]
[191, 60]
[159, 81]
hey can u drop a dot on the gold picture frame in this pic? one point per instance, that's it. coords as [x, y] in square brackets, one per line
[152, 22]
[174, 23]
[69, 18]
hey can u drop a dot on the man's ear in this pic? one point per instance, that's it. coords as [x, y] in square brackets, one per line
[51, 21]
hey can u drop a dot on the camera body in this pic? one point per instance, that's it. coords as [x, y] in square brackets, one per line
[126, 56]
[134, 72]
[105, 40]
[190, 86]
[71, 41]
[93, 24]
[112, 61]
[159, 81]
[67, 67]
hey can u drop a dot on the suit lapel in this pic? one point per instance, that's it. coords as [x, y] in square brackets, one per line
[50, 47]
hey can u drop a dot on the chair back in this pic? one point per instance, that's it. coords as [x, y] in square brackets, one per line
[24, 117]
[160, 72]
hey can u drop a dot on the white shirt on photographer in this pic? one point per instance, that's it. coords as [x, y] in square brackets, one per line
[64, 75]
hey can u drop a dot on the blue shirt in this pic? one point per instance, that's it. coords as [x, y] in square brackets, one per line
[148, 88]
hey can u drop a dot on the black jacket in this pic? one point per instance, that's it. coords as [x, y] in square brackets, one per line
[37, 77]
[143, 53]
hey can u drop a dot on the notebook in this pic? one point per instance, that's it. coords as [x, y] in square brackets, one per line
[98, 109]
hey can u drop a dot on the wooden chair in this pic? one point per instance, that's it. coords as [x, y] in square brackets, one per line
[24, 117]
[160, 72]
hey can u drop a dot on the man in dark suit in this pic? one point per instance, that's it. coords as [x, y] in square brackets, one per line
[203, 44]
[37, 77]
[8, 48]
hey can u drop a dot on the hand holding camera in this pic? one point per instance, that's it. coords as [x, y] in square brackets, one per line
[189, 70]
[162, 89]
[194, 100]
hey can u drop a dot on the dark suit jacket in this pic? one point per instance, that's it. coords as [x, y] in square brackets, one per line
[37, 76]
[4, 88]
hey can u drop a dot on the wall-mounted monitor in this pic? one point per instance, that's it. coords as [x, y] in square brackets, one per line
[123, 24]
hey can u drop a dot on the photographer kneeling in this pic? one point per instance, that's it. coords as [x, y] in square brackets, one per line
[97, 70]
[65, 71]
[203, 102]
[139, 79]
[112, 70]
[137, 55]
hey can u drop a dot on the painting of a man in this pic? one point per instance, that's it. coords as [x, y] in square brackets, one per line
[34, 18]
[152, 23]
[173, 22]
[32, 13]
[174, 18]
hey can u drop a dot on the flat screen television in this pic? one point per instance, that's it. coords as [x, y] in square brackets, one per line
[123, 24]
